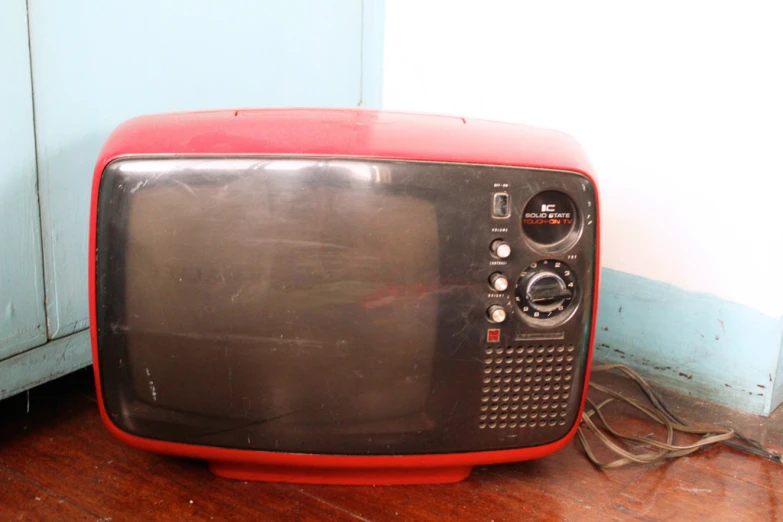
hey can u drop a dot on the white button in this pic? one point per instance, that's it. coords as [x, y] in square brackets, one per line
[496, 314]
[502, 250]
[499, 282]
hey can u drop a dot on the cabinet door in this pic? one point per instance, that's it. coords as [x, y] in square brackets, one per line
[97, 63]
[21, 284]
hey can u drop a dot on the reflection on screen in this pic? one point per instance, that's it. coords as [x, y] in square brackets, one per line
[260, 296]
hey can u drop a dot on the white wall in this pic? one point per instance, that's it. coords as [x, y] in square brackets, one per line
[679, 105]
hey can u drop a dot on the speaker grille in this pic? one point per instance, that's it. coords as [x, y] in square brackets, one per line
[526, 386]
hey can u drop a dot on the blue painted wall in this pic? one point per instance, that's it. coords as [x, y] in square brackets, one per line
[21, 280]
[777, 392]
[692, 342]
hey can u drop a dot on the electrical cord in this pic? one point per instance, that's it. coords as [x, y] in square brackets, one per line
[593, 420]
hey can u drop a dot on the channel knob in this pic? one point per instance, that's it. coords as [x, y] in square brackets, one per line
[498, 282]
[545, 289]
[500, 248]
[496, 314]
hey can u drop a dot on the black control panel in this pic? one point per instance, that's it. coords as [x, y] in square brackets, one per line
[540, 271]
[545, 291]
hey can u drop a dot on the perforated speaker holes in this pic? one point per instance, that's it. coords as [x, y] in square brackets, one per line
[526, 386]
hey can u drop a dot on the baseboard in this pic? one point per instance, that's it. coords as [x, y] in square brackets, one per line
[692, 342]
[777, 391]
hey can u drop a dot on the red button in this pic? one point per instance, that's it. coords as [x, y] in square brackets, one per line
[493, 335]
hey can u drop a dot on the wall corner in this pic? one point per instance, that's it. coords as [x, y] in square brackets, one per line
[373, 16]
[776, 397]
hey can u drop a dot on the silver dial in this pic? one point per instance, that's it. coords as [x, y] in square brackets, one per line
[500, 248]
[496, 314]
[546, 289]
[498, 282]
[546, 292]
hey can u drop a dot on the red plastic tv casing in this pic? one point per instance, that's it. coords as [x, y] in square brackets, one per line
[339, 133]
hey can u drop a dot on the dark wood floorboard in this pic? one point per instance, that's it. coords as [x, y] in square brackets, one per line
[57, 462]
[20, 499]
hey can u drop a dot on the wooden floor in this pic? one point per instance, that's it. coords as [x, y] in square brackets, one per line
[57, 462]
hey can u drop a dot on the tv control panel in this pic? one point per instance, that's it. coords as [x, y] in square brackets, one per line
[539, 273]
[537, 255]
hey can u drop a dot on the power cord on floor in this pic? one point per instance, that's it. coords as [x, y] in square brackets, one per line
[594, 420]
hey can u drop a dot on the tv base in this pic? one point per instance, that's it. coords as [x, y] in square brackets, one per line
[344, 476]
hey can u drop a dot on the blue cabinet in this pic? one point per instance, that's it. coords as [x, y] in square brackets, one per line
[94, 64]
[22, 319]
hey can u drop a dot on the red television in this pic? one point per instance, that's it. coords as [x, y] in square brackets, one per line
[342, 296]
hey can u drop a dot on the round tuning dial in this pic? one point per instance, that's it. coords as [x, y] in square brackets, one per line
[545, 289]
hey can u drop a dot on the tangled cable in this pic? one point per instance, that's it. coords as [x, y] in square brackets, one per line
[661, 414]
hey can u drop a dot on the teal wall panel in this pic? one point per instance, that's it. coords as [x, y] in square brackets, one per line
[52, 360]
[98, 63]
[692, 342]
[777, 391]
[22, 320]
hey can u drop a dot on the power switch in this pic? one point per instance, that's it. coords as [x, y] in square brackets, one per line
[500, 205]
